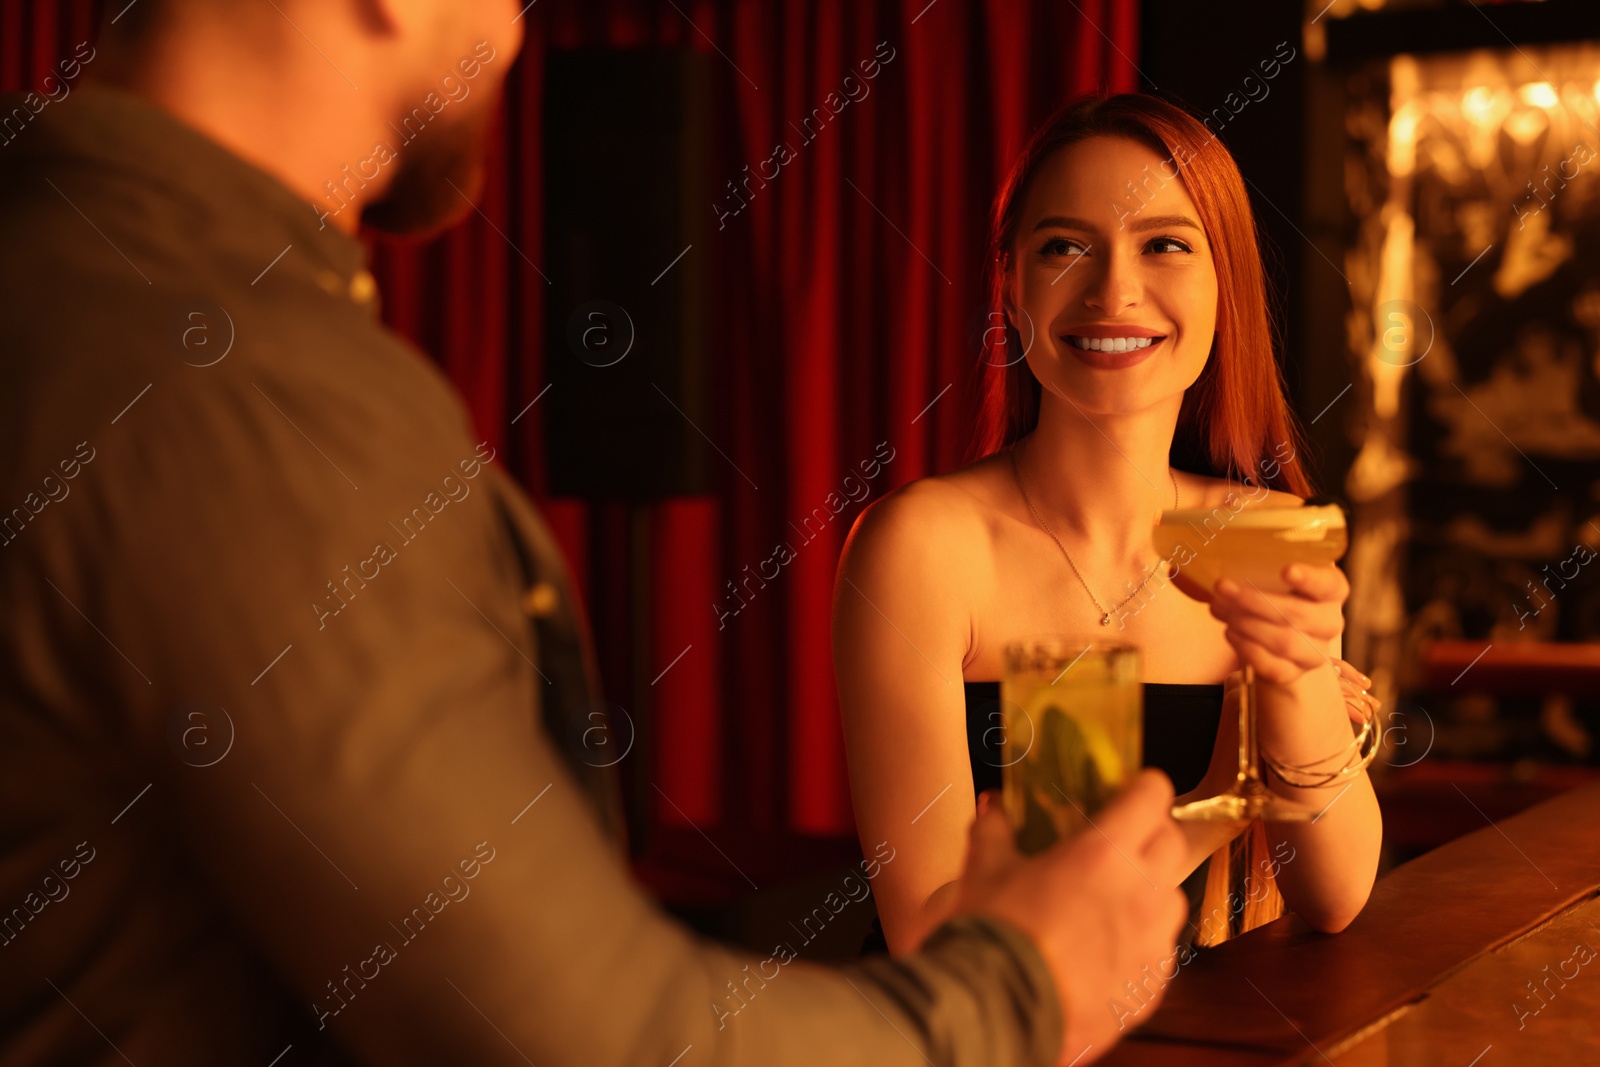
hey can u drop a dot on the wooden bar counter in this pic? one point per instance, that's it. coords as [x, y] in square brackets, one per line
[1484, 952]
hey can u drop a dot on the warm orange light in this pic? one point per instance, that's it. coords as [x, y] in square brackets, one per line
[1478, 103]
[1539, 94]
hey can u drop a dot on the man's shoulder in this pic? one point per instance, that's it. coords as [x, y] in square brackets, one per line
[178, 354]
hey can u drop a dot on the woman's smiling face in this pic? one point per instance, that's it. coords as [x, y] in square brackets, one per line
[1117, 288]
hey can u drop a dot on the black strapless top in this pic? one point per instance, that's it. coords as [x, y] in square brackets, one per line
[1180, 728]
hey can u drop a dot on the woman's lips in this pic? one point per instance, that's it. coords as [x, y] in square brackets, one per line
[1113, 360]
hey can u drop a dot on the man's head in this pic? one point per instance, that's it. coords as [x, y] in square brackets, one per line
[377, 109]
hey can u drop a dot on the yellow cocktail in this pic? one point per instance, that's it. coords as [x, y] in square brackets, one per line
[1252, 546]
[1072, 712]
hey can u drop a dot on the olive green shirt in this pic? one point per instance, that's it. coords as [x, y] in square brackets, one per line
[296, 755]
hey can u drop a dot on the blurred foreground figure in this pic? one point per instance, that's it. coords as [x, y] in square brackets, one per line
[292, 688]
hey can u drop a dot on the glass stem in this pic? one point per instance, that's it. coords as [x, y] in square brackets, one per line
[1249, 750]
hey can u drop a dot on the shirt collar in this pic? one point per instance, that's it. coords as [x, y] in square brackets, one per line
[121, 133]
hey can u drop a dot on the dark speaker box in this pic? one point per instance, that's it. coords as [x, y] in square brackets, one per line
[627, 210]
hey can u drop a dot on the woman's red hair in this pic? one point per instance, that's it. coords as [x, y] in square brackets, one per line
[1235, 417]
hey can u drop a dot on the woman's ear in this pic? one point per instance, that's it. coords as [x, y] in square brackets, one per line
[1003, 267]
[1008, 303]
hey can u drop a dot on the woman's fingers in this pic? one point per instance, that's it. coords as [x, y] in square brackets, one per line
[1348, 670]
[1285, 635]
[1351, 689]
[1321, 619]
[1317, 582]
[1360, 704]
[1287, 642]
[1269, 666]
[1356, 702]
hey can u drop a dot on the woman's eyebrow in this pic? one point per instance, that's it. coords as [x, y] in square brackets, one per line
[1152, 222]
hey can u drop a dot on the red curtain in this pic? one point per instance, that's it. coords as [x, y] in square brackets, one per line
[847, 303]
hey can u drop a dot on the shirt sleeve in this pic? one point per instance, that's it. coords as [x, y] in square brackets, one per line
[328, 585]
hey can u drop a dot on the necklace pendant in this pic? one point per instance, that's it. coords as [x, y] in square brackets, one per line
[1105, 620]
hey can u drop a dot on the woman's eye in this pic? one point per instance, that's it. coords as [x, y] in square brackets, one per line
[1067, 246]
[1061, 246]
[1169, 241]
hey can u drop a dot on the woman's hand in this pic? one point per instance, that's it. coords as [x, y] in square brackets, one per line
[1359, 702]
[1281, 635]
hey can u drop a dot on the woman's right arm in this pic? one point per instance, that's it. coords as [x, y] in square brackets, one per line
[901, 631]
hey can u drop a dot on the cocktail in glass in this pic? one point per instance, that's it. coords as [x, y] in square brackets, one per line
[1252, 546]
[1073, 711]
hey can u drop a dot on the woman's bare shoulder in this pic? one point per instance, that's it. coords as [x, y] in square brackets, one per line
[950, 507]
[941, 520]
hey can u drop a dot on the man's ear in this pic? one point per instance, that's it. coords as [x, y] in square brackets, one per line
[378, 16]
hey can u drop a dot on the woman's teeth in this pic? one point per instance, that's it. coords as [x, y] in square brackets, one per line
[1112, 344]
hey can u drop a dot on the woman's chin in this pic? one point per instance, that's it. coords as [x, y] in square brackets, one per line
[1122, 397]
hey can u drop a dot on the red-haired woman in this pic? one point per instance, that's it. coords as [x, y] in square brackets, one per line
[1134, 373]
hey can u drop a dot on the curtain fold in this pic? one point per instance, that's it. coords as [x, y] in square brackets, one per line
[846, 308]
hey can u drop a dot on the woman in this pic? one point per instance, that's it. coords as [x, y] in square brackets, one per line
[1136, 342]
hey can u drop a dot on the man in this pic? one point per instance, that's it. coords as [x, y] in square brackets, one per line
[279, 636]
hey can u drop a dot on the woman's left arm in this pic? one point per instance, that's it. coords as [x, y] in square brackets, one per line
[1293, 642]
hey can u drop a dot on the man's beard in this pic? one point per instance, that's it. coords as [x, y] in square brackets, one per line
[437, 176]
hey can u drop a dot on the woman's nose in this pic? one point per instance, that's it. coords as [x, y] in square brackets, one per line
[1112, 284]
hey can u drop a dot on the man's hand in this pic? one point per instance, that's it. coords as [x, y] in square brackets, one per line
[1093, 904]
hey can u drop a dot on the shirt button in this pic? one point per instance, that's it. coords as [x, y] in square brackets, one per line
[362, 286]
[540, 600]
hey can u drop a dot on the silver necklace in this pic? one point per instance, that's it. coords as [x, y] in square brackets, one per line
[1105, 615]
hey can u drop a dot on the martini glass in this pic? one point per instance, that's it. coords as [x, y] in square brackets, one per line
[1251, 546]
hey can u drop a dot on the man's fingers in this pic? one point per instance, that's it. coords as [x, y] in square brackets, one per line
[1177, 914]
[1133, 815]
[991, 845]
[1166, 853]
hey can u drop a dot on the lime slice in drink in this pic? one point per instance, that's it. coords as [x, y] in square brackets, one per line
[1080, 752]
